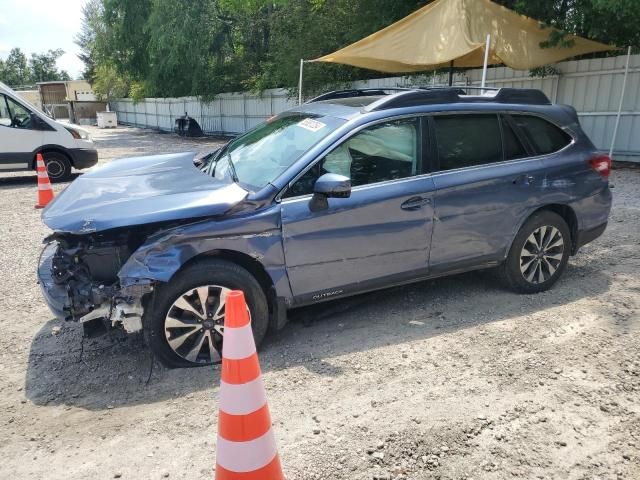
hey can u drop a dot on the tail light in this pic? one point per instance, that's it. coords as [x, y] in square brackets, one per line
[602, 165]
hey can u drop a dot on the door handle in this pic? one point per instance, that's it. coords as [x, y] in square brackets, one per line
[524, 180]
[415, 203]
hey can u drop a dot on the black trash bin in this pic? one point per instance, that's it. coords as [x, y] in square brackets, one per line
[187, 126]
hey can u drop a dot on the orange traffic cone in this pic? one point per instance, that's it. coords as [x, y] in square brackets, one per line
[45, 192]
[246, 446]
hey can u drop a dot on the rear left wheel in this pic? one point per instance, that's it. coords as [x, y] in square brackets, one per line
[538, 255]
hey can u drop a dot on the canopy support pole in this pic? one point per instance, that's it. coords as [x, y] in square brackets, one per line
[624, 86]
[486, 62]
[300, 82]
[451, 73]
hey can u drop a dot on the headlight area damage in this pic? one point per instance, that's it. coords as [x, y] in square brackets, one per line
[78, 277]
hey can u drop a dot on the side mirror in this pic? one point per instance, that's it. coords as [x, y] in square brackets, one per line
[329, 185]
[332, 185]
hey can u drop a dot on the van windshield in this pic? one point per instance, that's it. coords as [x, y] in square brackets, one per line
[259, 156]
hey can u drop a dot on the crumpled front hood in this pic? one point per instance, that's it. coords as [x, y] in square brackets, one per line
[136, 191]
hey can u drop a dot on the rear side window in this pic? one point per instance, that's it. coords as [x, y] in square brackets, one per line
[513, 148]
[544, 136]
[467, 140]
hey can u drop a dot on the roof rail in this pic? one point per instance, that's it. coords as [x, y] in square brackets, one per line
[529, 96]
[433, 96]
[357, 92]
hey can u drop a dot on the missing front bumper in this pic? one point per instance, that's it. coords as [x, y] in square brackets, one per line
[113, 307]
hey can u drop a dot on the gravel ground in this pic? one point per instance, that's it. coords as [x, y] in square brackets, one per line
[448, 379]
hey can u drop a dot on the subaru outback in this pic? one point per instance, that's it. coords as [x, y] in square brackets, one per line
[351, 192]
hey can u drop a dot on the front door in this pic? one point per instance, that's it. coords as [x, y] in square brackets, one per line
[17, 138]
[380, 235]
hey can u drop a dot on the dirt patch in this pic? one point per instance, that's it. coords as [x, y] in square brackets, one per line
[450, 379]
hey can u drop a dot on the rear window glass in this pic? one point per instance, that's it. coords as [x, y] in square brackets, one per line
[544, 136]
[467, 140]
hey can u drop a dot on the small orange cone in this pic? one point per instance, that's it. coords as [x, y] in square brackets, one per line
[45, 192]
[246, 447]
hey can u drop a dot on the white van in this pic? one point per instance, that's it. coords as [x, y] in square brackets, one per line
[26, 131]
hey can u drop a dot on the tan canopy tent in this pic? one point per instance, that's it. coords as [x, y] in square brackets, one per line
[463, 33]
[456, 31]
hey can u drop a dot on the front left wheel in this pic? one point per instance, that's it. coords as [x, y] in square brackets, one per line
[184, 324]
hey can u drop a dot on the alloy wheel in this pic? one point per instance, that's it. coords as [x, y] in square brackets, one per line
[194, 325]
[541, 254]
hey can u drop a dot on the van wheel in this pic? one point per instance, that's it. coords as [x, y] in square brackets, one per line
[184, 326]
[58, 167]
[538, 255]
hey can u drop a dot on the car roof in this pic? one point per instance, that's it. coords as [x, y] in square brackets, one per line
[383, 102]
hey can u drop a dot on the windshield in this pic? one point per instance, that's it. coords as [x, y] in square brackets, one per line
[259, 156]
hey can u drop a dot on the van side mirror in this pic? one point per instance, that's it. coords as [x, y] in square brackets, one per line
[329, 185]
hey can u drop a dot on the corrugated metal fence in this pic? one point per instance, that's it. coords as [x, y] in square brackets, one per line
[593, 87]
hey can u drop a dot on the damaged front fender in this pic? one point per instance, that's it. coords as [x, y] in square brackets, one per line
[258, 236]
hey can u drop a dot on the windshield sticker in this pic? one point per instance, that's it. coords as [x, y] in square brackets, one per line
[311, 125]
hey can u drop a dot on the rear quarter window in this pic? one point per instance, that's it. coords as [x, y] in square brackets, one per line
[544, 136]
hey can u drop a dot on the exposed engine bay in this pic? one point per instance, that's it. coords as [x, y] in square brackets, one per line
[81, 276]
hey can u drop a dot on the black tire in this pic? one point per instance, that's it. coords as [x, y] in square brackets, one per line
[58, 167]
[206, 272]
[511, 271]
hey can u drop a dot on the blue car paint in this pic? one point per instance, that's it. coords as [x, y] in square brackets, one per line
[476, 210]
[257, 235]
[368, 241]
[359, 238]
[137, 191]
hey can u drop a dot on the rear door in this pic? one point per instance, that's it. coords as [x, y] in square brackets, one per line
[17, 139]
[486, 182]
[380, 235]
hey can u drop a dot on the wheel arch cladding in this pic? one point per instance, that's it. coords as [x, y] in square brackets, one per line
[254, 242]
[568, 215]
[565, 211]
[246, 261]
[44, 149]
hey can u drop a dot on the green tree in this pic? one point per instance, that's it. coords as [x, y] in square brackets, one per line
[609, 21]
[108, 84]
[182, 47]
[310, 29]
[15, 71]
[125, 42]
[92, 33]
[43, 66]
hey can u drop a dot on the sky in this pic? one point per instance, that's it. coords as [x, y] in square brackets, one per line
[39, 25]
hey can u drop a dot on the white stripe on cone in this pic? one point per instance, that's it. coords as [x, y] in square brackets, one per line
[238, 343]
[242, 399]
[246, 456]
[46, 186]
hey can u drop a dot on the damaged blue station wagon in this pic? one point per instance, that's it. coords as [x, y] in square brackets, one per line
[350, 192]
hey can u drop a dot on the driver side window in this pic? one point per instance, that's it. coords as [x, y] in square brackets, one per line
[12, 114]
[385, 151]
